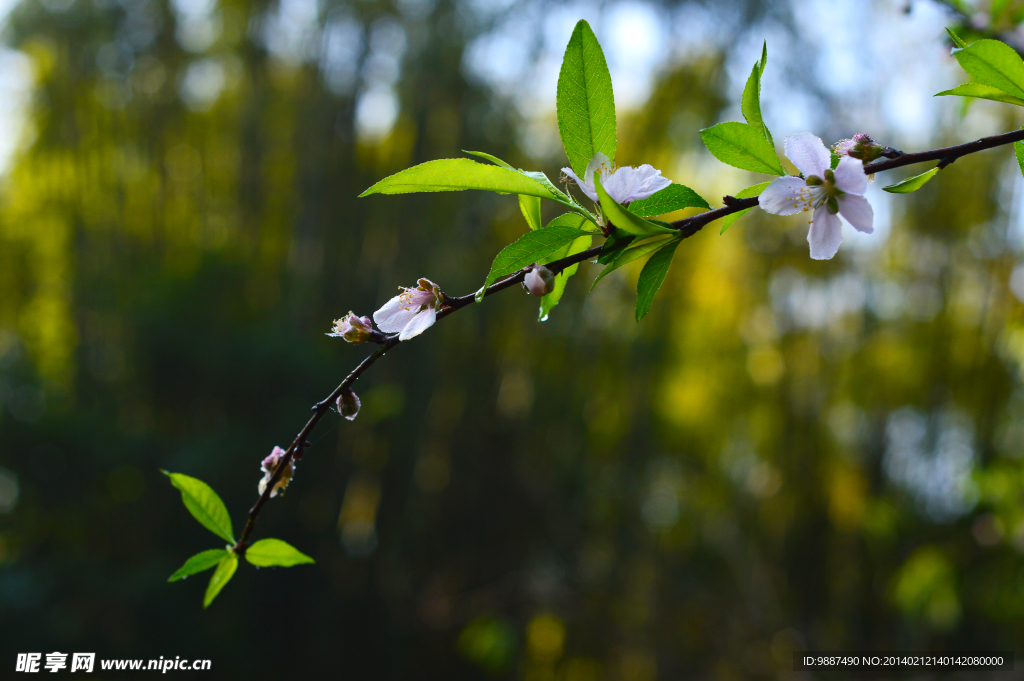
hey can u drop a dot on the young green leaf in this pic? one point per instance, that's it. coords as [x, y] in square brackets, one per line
[1018, 151]
[672, 197]
[994, 63]
[585, 103]
[622, 218]
[530, 248]
[456, 174]
[652, 276]
[548, 302]
[751, 102]
[629, 255]
[982, 91]
[530, 206]
[274, 552]
[955, 38]
[221, 576]
[742, 194]
[204, 505]
[911, 184]
[198, 563]
[743, 146]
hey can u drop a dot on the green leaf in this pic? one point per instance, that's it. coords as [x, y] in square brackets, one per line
[548, 302]
[530, 248]
[742, 194]
[221, 576]
[530, 206]
[493, 159]
[204, 505]
[1018, 151]
[271, 552]
[955, 38]
[198, 563]
[742, 145]
[994, 63]
[629, 255]
[536, 175]
[751, 102]
[585, 103]
[982, 91]
[672, 197]
[652, 276]
[911, 184]
[622, 218]
[456, 174]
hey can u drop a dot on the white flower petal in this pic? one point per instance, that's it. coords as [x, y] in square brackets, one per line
[850, 176]
[857, 212]
[587, 189]
[418, 324]
[808, 153]
[650, 182]
[785, 196]
[393, 316]
[620, 184]
[825, 235]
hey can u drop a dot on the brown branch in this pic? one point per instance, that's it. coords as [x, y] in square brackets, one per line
[687, 228]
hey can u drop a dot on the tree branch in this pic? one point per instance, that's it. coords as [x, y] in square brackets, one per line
[687, 228]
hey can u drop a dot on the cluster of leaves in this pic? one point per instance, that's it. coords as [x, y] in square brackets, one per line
[206, 506]
[586, 124]
[997, 74]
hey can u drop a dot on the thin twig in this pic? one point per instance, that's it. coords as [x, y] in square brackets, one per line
[687, 227]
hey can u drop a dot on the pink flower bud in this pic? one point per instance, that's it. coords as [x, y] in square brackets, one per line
[539, 281]
[270, 466]
[860, 146]
[353, 329]
[348, 405]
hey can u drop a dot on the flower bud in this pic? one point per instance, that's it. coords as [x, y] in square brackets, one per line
[348, 405]
[860, 146]
[270, 466]
[539, 281]
[353, 329]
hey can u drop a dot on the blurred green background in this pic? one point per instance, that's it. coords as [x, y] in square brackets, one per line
[785, 455]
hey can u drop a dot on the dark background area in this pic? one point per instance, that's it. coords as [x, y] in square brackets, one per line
[785, 455]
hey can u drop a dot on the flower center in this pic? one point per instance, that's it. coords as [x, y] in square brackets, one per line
[824, 191]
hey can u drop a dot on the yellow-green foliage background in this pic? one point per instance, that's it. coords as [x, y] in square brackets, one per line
[785, 455]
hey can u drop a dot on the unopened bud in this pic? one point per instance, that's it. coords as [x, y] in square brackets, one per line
[353, 329]
[539, 281]
[348, 405]
[859, 146]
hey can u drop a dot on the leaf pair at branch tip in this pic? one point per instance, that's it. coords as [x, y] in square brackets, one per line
[747, 146]
[996, 70]
[207, 507]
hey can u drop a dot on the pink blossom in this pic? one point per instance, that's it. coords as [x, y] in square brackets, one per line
[269, 466]
[411, 312]
[829, 193]
[624, 185]
[352, 328]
